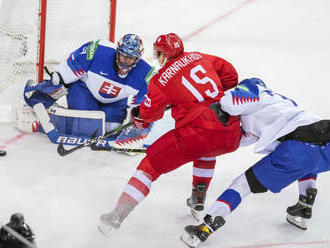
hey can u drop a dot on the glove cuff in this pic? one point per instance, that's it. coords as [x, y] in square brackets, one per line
[56, 78]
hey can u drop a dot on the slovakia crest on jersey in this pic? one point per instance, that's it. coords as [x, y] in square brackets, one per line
[109, 90]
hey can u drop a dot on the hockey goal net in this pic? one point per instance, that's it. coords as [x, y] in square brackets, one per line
[37, 33]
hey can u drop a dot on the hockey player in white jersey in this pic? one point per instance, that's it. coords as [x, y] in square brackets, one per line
[99, 76]
[298, 148]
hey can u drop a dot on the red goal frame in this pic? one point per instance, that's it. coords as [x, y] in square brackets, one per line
[42, 33]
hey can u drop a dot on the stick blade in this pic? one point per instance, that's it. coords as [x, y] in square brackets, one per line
[62, 151]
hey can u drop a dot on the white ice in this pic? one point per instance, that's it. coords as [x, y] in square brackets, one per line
[284, 42]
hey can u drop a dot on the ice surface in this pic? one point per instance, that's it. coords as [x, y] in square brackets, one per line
[284, 42]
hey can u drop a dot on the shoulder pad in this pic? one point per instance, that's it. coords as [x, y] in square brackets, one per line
[91, 49]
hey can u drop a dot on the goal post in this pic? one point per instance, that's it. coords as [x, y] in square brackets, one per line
[38, 33]
[43, 27]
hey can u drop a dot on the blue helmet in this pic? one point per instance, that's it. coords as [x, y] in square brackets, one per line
[253, 81]
[129, 52]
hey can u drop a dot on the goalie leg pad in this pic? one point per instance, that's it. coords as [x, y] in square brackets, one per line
[77, 126]
[115, 111]
[27, 121]
[77, 122]
[71, 122]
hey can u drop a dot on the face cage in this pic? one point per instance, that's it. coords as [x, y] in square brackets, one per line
[124, 69]
[156, 54]
[16, 224]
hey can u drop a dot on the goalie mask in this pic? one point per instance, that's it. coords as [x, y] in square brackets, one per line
[129, 52]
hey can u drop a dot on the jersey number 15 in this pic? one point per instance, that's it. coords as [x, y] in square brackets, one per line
[213, 92]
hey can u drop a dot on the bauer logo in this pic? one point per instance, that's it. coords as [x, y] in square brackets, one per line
[109, 90]
[79, 141]
[71, 140]
[92, 49]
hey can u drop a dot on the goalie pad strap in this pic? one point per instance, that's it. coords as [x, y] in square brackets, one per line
[43, 117]
[90, 114]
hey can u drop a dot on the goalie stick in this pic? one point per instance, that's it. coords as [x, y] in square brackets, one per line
[63, 152]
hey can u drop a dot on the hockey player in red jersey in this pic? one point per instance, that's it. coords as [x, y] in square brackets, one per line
[189, 82]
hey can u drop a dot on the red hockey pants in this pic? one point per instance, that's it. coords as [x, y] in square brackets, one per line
[203, 137]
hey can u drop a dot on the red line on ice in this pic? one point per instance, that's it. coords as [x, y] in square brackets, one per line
[220, 18]
[320, 242]
[12, 140]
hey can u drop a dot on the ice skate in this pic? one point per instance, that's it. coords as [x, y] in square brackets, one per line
[197, 199]
[113, 220]
[193, 236]
[108, 222]
[302, 210]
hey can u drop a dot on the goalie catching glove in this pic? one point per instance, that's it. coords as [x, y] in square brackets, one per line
[55, 86]
[137, 121]
[46, 92]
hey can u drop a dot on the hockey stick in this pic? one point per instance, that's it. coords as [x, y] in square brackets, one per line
[63, 152]
[115, 149]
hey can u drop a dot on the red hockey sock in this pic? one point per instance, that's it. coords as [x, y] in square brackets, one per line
[136, 190]
[203, 170]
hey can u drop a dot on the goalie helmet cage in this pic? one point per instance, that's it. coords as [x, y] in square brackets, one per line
[38, 33]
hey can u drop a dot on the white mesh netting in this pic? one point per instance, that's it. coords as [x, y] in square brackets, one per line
[70, 24]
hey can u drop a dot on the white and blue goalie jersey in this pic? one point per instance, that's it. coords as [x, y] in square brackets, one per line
[93, 63]
[265, 115]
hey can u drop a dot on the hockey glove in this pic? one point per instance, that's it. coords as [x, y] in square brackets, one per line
[57, 90]
[137, 121]
[33, 96]
[131, 101]
[53, 87]
[223, 116]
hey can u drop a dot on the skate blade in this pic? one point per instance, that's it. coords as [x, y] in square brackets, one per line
[297, 221]
[190, 240]
[106, 230]
[195, 214]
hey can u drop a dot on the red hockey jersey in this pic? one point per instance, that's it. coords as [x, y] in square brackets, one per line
[188, 83]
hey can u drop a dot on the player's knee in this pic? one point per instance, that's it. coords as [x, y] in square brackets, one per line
[147, 168]
[254, 184]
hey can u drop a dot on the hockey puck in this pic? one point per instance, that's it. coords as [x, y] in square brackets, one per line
[3, 153]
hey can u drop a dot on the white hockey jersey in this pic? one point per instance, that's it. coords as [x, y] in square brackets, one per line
[265, 115]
